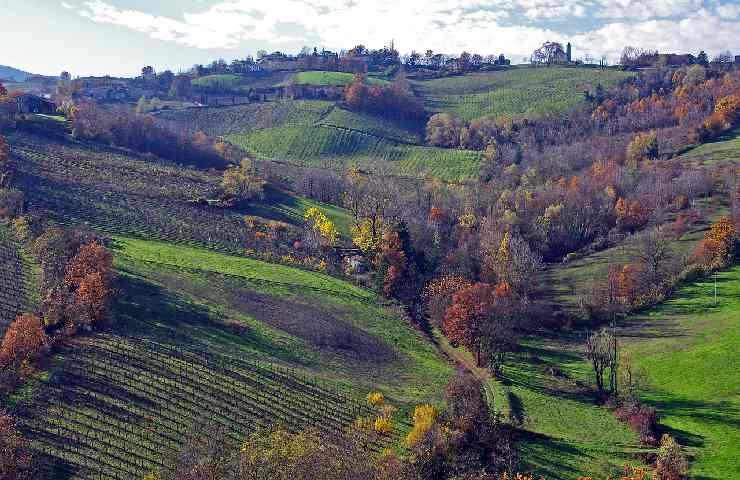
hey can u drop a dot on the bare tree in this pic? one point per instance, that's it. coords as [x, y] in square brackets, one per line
[602, 350]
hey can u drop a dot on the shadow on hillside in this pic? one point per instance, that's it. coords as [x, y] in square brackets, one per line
[548, 457]
[719, 413]
[321, 326]
[539, 372]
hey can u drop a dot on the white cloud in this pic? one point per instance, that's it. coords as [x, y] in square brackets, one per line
[730, 11]
[646, 9]
[485, 26]
[699, 31]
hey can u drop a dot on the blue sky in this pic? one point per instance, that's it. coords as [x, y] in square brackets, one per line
[120, 36]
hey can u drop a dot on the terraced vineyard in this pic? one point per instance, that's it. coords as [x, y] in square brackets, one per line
[217, 121]
[203, 336]
[14, 281]
[521, 91]
[118, 404]
[405, 132]
[117, 193]
[335, 148]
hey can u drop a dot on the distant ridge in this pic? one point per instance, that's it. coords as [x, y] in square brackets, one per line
[10, 73]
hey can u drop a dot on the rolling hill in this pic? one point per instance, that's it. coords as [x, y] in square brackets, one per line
[10, 73]
[200, 331]
[520, 91]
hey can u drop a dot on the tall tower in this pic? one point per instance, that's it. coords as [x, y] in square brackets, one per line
[569, 53]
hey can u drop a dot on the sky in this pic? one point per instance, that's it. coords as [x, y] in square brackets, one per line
[119, 37]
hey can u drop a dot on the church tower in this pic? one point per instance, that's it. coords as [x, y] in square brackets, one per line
[569, 53]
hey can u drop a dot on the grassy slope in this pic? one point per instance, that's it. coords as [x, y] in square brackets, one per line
[332, 335]
[565, 283]
[688, 349]
[217, 121]
[329, 147]
[326, 341]
[394, 130]
[523, 91]
[322, 78]
[725, 148]
[220, 81]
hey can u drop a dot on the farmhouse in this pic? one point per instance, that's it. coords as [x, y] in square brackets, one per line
[28, 103]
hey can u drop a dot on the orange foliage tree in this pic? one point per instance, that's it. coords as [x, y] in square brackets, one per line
[24, 341]
[438, 293]
[15, 455]
[89, 278]
[631, 214]
[475, 321]
[718, 243]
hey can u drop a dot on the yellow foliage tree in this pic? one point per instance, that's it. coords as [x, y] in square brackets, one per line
[323, 228]
[424, 418]
[368, 236]
[242, 182]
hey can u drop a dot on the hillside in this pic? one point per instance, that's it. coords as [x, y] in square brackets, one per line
[321, 78]
[337, 148]
[199, 333]
[522, 91]
[687, 349]
[10, 73]
[116, 192]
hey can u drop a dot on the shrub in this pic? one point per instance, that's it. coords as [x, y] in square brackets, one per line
[671, 463]
[375, 399]
[24, 341]
[642, 419]
[425, 417]
[15, 455]
[383, 425]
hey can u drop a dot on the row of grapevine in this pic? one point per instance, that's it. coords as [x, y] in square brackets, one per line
[13, 296]
[246, 118]
[332, 147]
[114, 193]
[117, 405]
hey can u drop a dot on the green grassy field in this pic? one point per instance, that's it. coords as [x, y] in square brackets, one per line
[227, 81]
[322, 78]
[566, 283]
[328, 147]
[688, 350]
[523, 91]
[724, 149]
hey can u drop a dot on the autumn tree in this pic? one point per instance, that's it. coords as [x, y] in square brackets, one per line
[482, 319]
[16, 462]
[24, 341]
[443, 130]
[718, 245]
[643, 146]
[243, 182]
[509, 259]
[653, 251]
[602, 351]
[438, 295]
[319, 231]
[671, 463]
[394, 264]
